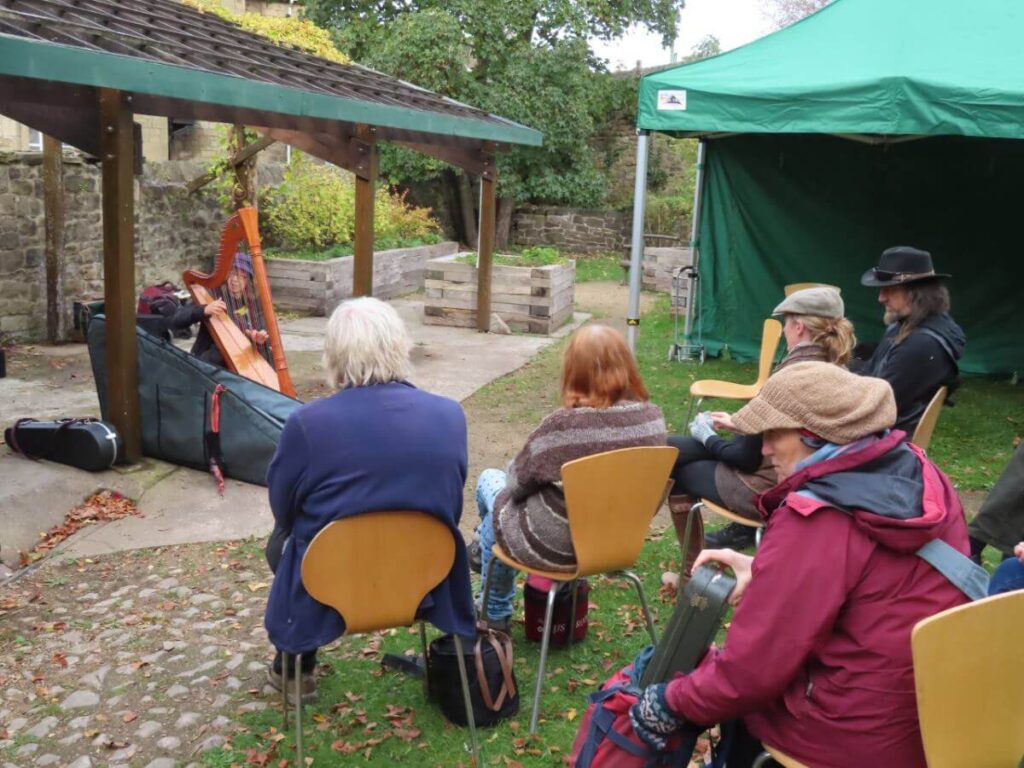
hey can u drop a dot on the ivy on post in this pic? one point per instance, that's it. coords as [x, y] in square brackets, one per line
[485, 247]
[117, 137]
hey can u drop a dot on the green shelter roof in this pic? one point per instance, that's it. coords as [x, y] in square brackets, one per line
[171, 57]
[883, 67]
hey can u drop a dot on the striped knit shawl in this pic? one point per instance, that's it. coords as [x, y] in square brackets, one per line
[530, 521]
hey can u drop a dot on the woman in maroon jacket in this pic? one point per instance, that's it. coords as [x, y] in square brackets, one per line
[817, 661]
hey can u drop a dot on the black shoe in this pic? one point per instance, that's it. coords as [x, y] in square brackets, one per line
[733, 536]
[475, 562]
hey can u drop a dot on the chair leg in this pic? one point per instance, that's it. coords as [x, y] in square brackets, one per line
[426, 660]
[467, 701]
[545, 640]
[758, 533]
[643, 602]
[762, 761]
[284, 691]
[694, 406]
[571, 624]
[298, 709]
[487, 589]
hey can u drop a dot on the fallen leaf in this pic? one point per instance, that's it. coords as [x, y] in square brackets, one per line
[256, 586]
[571, 715]
[127, 717]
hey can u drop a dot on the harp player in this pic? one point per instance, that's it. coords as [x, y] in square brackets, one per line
[238, 305]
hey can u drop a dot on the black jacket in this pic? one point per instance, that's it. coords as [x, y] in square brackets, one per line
[917, 366]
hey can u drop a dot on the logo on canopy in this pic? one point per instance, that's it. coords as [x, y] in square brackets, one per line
[671, 101]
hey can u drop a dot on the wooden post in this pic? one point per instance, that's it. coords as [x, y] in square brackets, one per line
[117, 139]
[485, 244]
[365, 145]
[53, 207]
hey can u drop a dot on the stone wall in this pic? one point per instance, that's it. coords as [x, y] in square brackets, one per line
[572, 230]
[173, 231]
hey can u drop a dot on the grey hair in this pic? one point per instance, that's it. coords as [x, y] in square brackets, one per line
[366, 343]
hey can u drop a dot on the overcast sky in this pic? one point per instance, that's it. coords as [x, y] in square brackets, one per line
[733, 22]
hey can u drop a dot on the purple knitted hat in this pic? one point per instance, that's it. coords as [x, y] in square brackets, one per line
[243, 261]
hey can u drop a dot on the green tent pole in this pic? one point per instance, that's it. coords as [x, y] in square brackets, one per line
[636, 256]
[698, 201]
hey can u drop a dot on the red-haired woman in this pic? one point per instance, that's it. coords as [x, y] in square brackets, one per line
[604, 407]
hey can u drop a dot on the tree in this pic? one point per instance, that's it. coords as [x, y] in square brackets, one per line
[785, 12]
[528, 61]
[707, 47]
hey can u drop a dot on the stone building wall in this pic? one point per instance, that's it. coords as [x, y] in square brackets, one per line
[572, 230]
[173, 231]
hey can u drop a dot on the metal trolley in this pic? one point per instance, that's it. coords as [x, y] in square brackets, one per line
[681, 347]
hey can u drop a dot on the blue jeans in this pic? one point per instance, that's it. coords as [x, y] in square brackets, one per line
[503, 580]
[1009, 576]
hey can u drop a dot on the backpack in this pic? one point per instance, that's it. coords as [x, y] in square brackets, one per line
[605, 738]
[158, 300]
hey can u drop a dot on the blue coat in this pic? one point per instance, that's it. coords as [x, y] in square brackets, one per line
[387, 446]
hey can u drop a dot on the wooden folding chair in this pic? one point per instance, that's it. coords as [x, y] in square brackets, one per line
[375, 569]
[794, 287]
[929, 420]
[970, 683]
[610, 500]
[731, 516]
[731, 391]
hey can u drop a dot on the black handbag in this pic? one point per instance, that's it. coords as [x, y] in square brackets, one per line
[492, 681]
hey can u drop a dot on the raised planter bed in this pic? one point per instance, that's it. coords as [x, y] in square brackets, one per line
[318, 286]
[530, 299]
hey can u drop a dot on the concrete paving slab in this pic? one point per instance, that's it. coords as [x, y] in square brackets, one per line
[181, 505]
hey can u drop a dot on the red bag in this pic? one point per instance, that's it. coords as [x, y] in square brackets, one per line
[605, 738]
[535, 601]
[158, 300]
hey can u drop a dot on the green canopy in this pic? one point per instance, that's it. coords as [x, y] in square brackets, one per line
[907, 67]
[932, 93]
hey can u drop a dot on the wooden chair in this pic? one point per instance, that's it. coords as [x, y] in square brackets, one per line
[610, 500]
[794, 287]
[721, 511]
[929, 419]
[731, 391]
[375, 569]
[970, 683]
[771, 753]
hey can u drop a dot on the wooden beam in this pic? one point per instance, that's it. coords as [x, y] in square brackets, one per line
[472, 161]
[362, 246]
[117, 139]
[485, 247]
[337, 150]
[53, 210]
[233, 162]
[72, 125]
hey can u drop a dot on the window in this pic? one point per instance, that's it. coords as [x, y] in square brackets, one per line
[35, 140]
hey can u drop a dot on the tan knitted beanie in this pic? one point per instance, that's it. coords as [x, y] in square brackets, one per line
[831, 402]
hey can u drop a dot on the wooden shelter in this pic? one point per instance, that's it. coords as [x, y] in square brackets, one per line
[78, 70]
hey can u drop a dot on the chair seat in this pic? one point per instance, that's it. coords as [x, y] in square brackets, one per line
[508, 560]
[710, 506]
[784, 760]
[724, 389]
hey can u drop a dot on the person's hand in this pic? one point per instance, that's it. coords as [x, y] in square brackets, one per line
[1019, 552]
[258, 337]
[215, 309]
[651, 718]
[722, 420]
[737, 562]
[701, 427]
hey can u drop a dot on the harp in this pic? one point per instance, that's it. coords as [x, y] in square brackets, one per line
[239, 278]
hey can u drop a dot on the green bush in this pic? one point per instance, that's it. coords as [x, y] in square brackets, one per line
[669, 215]
[535, 256]
[314, 208]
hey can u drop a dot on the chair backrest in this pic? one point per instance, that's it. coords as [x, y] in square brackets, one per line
[926, 426]
[794, 287]
[375, 568]
[611, 498]
[769, 346]
[970, 683]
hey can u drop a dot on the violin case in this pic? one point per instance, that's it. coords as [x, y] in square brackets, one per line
[88, 444]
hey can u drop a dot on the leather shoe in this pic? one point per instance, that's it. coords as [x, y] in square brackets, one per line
[733, 536]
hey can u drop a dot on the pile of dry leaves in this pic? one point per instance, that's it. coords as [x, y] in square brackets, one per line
[99, 508]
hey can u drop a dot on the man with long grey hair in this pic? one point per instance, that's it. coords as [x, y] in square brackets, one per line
[376, 443]
[922, 343]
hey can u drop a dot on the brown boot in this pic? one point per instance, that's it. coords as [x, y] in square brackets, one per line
[681, 507]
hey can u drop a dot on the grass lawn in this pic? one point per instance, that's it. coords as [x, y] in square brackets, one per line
[598, 267]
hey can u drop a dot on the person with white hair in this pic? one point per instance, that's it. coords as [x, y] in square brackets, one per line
[376, 443]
